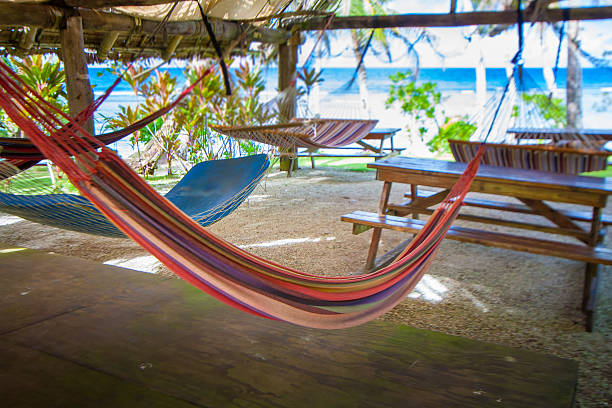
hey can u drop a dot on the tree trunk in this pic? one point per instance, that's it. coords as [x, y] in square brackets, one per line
[362, 78]
[574, 79]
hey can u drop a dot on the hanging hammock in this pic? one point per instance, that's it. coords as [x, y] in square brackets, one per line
[208, 192]
[219, 268]
[18, 154]
[526, 140]
[308, 133]
[526, 137]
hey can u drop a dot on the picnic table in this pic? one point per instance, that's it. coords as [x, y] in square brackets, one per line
[535, 190]
[367, 145]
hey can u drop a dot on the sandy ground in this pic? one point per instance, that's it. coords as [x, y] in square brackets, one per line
[505, 297]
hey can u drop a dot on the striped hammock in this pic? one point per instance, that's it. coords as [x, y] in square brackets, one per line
[308, 133]
[532, 157]
[17, 154]
[228, 273]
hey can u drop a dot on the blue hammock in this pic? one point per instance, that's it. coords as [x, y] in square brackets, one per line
[208, 192]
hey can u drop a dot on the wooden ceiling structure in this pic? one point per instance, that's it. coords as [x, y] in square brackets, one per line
[35, 28]
[81, 32]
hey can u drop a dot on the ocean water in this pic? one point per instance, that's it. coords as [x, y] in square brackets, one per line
[335, 99]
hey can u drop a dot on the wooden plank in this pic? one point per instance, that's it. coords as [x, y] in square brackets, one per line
[557, 218]
[21, 299]
[574, 134]
[381, 133]
[456, 19]
[80, 94]
[520, 208]
[182, 345]
[115, 3]
[32, 378]
[582, 235]
[419, 202]
[576, 252]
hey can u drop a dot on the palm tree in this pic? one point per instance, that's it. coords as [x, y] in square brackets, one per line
[359, 37]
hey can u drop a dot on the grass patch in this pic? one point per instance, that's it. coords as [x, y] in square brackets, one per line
[600, 173]
[357, 164]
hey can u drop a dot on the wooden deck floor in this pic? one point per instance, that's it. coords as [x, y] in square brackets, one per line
[78, 334]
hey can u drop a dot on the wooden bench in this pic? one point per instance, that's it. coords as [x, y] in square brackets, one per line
[408, 207]
[534, 189]
[592, 255]
[532, 157]
[363, 221]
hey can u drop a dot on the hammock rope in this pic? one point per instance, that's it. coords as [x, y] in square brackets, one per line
[230, 274]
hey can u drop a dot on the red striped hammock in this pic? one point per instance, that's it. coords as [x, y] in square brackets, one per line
[20, 154]
[308, 133]
[217, 267]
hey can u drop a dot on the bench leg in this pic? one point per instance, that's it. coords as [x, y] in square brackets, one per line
[382, 210]
[589, 295]
[373, 248]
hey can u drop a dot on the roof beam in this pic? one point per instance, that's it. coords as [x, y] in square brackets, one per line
[49, 17]
[456, 19]
[115, 3]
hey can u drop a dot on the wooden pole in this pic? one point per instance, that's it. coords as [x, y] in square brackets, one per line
[287, 60]
[27, 39]
[50, 17]
[169, 51]
[456, 19]
[107, 44]
[78, 88]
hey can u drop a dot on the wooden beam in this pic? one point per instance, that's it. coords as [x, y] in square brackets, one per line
[107, 44]
[78, 88]
[44, 16]
[115, 3]
[456, 19]
[169, 51]
[27, 39]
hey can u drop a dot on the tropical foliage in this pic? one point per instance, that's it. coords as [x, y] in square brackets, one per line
[43, 74]
[422, 104]
[184, 132]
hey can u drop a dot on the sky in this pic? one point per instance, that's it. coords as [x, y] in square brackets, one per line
[458, 50]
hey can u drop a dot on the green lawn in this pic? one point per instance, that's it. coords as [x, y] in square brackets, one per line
[601, 173]
[348, 163]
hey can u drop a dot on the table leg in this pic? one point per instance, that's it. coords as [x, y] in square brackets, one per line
[376, 232]
[591, 273]
[413, 197]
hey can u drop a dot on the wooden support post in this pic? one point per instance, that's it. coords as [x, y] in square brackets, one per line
[27, 39]
[287, 59]
[169, 51]
[78, 88]
[107, 44]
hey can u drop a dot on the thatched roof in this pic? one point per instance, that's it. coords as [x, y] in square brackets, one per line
[134, 28]
[128, 29]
